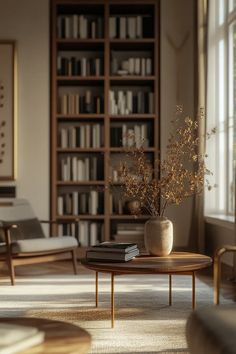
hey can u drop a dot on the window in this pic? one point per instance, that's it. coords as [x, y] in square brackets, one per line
[221, 106]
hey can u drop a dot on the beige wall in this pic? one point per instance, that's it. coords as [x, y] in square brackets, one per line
[27, 22]
[177, 87]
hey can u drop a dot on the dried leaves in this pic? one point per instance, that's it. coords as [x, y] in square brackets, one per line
[178, 176]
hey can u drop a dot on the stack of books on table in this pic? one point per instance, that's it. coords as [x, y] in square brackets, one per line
[113, 252]
[17, 338]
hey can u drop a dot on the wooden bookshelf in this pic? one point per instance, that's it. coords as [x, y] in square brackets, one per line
[93, 71]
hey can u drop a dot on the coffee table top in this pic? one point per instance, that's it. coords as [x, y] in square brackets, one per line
[60, 337]
[176, 262]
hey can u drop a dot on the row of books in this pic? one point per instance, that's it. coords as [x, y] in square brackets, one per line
[131, 66]
[77, 203]
[79, 26]
[112, 252]
[75, 103]
[128, 102]
[130, 27]
[90, 233]
[79, 66]
[74, 168]
[82, 136]
[127, 136]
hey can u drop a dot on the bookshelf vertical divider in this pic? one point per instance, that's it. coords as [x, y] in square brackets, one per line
[97, 64]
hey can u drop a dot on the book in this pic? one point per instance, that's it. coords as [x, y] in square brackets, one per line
[121, 247]
[16, 338]
[112, 256]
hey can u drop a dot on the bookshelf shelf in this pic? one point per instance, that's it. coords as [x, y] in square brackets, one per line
[104, 83]
[80, 183]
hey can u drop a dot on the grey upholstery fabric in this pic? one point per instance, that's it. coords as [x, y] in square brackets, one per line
[44, 245]
[212, 330]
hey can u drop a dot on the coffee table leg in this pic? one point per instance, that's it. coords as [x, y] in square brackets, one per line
[96, 299]
[112, 301]
[193, 291]
[170, 289]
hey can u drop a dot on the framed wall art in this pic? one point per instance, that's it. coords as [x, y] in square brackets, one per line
[7, 109]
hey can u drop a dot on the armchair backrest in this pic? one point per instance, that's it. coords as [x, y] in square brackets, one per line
[20, 212]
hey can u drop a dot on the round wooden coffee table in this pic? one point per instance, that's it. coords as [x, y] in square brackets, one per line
[183, 263]
[60, 337]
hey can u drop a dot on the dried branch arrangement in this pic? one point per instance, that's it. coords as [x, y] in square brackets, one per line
[179, 175]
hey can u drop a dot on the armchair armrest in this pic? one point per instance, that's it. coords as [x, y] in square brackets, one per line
[217, 269]
[6, 227]
[74, 221]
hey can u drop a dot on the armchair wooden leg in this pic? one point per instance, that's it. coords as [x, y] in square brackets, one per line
[11, 270]
[217, 270]
[74, 261]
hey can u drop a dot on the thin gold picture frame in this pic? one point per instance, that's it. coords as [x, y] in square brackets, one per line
[7, 110]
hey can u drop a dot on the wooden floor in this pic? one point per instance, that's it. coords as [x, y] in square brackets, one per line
[228, 287]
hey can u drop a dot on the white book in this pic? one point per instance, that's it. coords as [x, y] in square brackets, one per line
[130, 101]
[60, 230]
[94, 202]
[123, 27]
[131, 66]
[75, 198]
[64, 138]
[86, 168]
[131, 27]
[74, 169]
[75, 26]
[67, 27]
[80, 170]
[60, 205]
[86, 232]
[124, 135]
[112, 27]
[144, 133]
[93, 233]
[139, 27]
[64, 104]
[17, 338]
[94, 136]
[137, 66]
[98, 135]
[83, 63]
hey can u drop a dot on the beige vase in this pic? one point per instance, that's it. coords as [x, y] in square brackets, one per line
[158, 236]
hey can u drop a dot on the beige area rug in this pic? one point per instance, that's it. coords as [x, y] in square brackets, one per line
[144, 321]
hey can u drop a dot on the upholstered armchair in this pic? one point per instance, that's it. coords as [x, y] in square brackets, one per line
[22, 240]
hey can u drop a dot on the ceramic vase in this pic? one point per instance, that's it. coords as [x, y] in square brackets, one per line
[158, 236]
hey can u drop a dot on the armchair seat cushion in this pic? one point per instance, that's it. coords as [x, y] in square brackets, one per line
[44, 244]
[212, 330]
